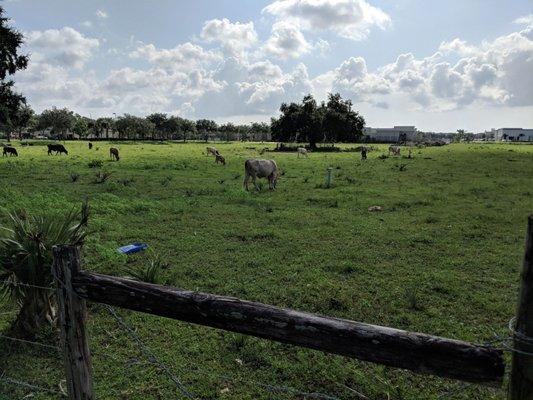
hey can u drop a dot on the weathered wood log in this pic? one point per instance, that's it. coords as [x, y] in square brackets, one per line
[521, 381]
[413, 351]
[72, 315]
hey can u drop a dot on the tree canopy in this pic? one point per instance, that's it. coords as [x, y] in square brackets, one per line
[59, 120]
[331, 121]
[10, 62]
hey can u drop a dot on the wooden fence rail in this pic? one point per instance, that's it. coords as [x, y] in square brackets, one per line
[417, 352]
[414, 351]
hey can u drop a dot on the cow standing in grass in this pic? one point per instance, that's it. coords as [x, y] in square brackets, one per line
[256, 168]
[58, 148]
[90, 146]
[394, 150]
[113, 153]
[302, 151]
[364, 150]
[220, 159]
[212, 151]
[11, 151]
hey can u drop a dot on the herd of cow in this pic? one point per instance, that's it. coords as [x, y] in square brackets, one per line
[57, 149]
[253, 168]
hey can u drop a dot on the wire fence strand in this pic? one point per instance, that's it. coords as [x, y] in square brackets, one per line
[264, 386]
[2, 336]
[148, 353]
[15, 284]
[26, 385]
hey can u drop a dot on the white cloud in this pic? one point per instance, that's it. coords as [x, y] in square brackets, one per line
[351, 19]
[286, 41]
[233, 37]
[66, 46]
[525, 20]
[186, 55]
[457, 46]
[101, 14]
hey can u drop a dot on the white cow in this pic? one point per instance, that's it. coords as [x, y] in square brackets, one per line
[395, 150]
[212, 150]
[258, 168]
[302, 151]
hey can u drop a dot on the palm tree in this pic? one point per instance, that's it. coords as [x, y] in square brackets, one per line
[26, 260]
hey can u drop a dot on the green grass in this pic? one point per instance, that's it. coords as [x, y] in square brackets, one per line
[443, 258]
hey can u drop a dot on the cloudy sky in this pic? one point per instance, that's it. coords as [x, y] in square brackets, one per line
[439, 65]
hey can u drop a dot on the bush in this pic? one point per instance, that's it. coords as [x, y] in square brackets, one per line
[102, 177]
[95, 164]
[74, 176]
[151, 273]
[26, 259]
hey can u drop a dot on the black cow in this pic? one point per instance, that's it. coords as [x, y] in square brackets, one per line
[10, 150]
[58, 148]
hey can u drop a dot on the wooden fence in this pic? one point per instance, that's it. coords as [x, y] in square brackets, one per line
[416, 352]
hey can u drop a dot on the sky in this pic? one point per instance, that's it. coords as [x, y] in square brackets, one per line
[438, 65]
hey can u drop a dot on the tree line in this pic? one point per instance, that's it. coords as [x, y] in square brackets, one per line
[62, 123]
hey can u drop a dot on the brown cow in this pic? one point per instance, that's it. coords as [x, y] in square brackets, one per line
[113, 153]
[220, 159]
[11, 151]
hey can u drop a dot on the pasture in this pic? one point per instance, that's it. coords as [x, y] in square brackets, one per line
[442, 257]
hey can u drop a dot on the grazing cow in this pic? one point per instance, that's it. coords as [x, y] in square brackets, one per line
[58, 148]
[11, 151]
[90, 145]
[257, 168]
[302, 151]
[395, 150]
[364, 150]
[113, 153]
[212, 151]
[220, 159]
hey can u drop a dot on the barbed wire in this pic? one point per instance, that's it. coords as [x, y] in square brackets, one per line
[15, 284]
[26, 385]
[2, 336]
[148, 353]
[265, 386]
[462, 387]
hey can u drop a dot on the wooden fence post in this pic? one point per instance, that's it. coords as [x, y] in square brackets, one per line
[72, 315]
[521, 380]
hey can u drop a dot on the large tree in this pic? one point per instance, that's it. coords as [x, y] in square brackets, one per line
[21, 119]
[205, 127]
[159, 120]
[340, 123]
[81, 126]
[10, 62]
[59, 120]
[132, 127]
[105, 124]
[334, 121]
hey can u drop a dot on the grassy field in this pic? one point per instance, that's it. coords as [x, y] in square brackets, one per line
[443, 258]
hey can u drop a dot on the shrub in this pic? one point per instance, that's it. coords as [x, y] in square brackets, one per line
[95, 164]
[125, 181]
[102, 177]
[26, 259]
[74, 176]
[150, 273]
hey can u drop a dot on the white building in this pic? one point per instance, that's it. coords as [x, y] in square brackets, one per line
[390, 135]
[513, 134]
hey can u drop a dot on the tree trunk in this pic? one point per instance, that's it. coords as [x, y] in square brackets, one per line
[36, 310]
